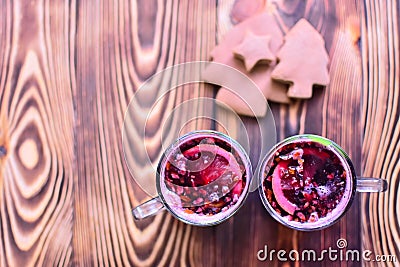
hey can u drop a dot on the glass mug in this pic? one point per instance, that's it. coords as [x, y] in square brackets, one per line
[308, 182]
[202, 179]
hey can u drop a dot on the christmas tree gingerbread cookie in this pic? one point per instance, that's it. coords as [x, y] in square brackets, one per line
[303, 60]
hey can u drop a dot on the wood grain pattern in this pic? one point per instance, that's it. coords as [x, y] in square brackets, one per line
[381, 125]
[37, 133]
[148, 40]
[68, 70]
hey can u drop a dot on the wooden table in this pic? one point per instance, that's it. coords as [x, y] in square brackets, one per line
[68, 70]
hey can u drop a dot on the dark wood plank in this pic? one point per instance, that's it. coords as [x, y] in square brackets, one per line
[68, 70]
[142, 38]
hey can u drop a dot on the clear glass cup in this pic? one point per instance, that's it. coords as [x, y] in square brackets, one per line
[202, 179]
[308, 182]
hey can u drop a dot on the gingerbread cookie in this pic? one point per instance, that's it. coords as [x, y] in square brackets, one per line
[303, 60]
[244, 9]
[254, 49]
[262, 24]
[240, 93]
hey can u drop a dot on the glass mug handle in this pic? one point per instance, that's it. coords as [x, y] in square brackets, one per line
[369, 184]
[148, 208]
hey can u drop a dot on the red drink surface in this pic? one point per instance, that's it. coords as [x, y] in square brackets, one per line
[207, 175]
[305, 182]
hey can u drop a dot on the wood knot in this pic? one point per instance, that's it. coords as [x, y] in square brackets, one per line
[3, 151]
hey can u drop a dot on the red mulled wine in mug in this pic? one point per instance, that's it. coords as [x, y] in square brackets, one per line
[206, 174]
[308, 182]
[202, 179]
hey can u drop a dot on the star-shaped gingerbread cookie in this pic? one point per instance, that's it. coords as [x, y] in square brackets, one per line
[254, 49]
[260, 73]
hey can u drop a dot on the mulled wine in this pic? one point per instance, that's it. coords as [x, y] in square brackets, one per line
[204, 178]
[307, 183]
